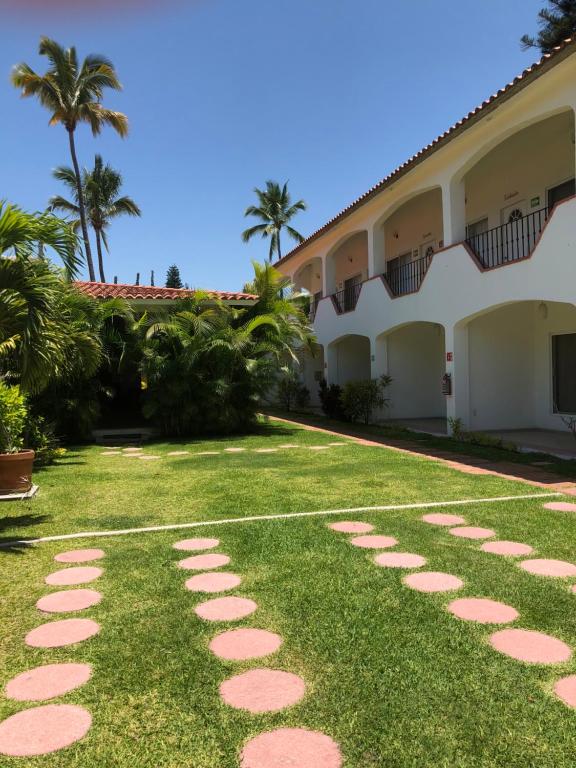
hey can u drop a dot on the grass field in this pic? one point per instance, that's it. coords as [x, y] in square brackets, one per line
[390, 675]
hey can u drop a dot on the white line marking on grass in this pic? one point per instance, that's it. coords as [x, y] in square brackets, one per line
[284, 516]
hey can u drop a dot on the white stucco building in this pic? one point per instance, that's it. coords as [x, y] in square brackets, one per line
[462, 262]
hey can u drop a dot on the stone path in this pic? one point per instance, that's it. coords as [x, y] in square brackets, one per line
[52, 727]
[258, 690]
[136, 453]
[528, 646]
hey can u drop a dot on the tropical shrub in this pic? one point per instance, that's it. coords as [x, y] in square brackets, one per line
[331, 400]
[361, 398]
[291, 391]
[13, 414]
[40, 437]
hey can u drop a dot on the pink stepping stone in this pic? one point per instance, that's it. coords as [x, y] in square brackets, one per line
[59, 633]
[560, 506]
[67, 577]
[42, 730]
[196, 545]
[510, 548]
[79, 556]
[242, 644]
[48, 682]
[68, 600]
[263, 690]
[225, 608]
[472, 532]
[374, 541]
[349, 526]
[399, 560]
[483, 611]
[545, 567]
[296, 747]
[432, 581]
[565, 689]
[530, 646]
[202, 562]
[439, 518]
[213, 582]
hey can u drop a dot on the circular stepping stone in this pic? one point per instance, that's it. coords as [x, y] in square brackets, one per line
[68, 577]
[178, 453]
[204, 562]
[132, 450]
[68, 600]
[112, 453]
[47, 682]
[196, 545]
[225, 608]
[42, 730]
[349, 526]
[263, 690]
[439, 518]
[560, 506]
[319, 447]
[234, 450]
[296, 747]
[433, 581]
[399, 560]
[243, 644]
[472, 532]
[510, 548]
[213, 582]
[483, 611]
[565, 689]
[265, 450]
[148, 457]
[59, 633]
[530, 646]
[288, 445]
[207, 453]
[374, 542]
[79, 556]
[545, 567]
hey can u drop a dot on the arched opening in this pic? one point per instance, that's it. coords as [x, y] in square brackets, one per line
[407, 239]
[522, 372]
[346, 270]
[308, 279]
[511, 190]
[414, 356]
[349, 359]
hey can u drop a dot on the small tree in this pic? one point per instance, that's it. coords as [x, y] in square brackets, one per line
[557, 23]
[291, 392]
[361, 398]
[173, 279]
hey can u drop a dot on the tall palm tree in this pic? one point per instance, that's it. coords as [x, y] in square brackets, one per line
[100, 188]
[275, 210]
[73, 94]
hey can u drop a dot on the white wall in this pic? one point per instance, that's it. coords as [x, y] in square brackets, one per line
[418, 221]
[501, 364]
[309, 276]
[351, 259]
[415, 356]
[350, 360]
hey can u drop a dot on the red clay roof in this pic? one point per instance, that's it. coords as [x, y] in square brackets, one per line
[493, 102]
[147, 292]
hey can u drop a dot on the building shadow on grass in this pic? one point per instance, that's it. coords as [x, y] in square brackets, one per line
[13, 544]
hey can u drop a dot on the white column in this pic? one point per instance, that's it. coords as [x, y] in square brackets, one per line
[328, 276]
[458, 403]
[379, 356]
[376, 255]
[331, 363]
[454, 211]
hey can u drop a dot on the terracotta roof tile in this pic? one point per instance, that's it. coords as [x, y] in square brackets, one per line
[529, 74]
[147, 292]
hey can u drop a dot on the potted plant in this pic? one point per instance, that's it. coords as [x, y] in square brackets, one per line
[15, 462]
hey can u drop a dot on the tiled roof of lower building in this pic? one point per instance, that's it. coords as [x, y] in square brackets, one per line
[151, 292]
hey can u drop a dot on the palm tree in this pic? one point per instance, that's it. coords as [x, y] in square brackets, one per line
[275, 210]
[100, 188]
[73, 94]
[557, 23]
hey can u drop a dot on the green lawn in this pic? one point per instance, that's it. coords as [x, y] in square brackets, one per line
[390, 675]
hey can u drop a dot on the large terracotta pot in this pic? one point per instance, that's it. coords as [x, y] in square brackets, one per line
[16, 472]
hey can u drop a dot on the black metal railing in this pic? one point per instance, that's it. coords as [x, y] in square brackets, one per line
[346, 300]
[509, 242]
[407, 278]
[314, 301]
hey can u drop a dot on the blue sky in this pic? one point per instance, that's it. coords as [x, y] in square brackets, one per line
[224, 94]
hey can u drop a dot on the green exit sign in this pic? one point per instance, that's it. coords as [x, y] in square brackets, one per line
[535, 202]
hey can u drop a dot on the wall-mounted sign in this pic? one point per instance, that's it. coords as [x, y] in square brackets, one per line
[449, 357]
[535, 202]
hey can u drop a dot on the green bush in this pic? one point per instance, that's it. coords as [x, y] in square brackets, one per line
[13, 414]
[291, 392]
[40, 437]
[331, 400]
[361, 398]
